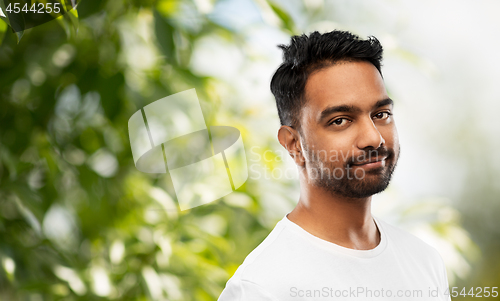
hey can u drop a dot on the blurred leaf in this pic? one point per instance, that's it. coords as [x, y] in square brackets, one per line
[87, 8]
[3, 29]
[72, 16]
[8, 161]
[284, 17]
[19, 35]
[167, 7]
[15, 21]
[69, 20]
[165, 36]
[3, 12]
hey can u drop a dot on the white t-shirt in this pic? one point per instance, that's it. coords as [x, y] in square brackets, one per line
[292, 264]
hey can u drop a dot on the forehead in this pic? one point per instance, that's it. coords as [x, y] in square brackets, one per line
[357, 84]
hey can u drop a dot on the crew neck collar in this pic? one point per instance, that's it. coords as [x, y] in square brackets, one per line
[338, 248]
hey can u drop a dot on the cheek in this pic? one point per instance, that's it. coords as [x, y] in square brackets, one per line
[331, 148]
[391, 137]
[334, 151]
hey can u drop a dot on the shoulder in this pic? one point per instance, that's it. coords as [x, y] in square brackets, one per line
[277, 257]
[407, 243]
[260, 268]
[274, 251]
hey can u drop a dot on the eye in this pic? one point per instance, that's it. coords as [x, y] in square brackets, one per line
[339, 121]
[382, 115]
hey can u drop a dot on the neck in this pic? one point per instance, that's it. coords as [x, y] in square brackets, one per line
[344, 221]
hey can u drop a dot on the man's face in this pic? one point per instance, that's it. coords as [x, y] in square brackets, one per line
[346, 122]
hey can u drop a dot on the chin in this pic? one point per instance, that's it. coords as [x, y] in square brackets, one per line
[374, 181]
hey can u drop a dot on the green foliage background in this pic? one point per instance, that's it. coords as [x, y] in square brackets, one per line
[43, 147]
[69, 232]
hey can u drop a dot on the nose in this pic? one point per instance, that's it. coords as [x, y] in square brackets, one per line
[369, 136]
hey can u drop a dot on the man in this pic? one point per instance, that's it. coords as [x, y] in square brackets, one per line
[338, 126]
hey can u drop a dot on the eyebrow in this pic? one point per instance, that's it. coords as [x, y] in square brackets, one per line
[351, 109]
[383, 102]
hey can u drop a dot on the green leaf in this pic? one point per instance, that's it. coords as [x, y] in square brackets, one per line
[3, 12]
[165, 36]
[19, 35]
[287, 20]
[15, 20]
[3, 29]
[69, 19]
[87, 8]
[2, 5]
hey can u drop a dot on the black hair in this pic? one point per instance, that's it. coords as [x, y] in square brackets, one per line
[307, 54]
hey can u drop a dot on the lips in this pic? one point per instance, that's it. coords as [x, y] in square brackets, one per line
[372, 161]
[371, 164]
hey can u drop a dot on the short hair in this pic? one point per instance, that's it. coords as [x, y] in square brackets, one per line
[307, 54]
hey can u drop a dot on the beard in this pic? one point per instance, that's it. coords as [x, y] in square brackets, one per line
[349, 181]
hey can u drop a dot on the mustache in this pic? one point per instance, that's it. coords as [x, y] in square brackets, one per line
[369, 154]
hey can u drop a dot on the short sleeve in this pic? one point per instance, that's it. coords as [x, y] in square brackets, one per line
[242, 290]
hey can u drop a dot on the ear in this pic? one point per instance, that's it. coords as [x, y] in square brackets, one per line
[289, 138]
